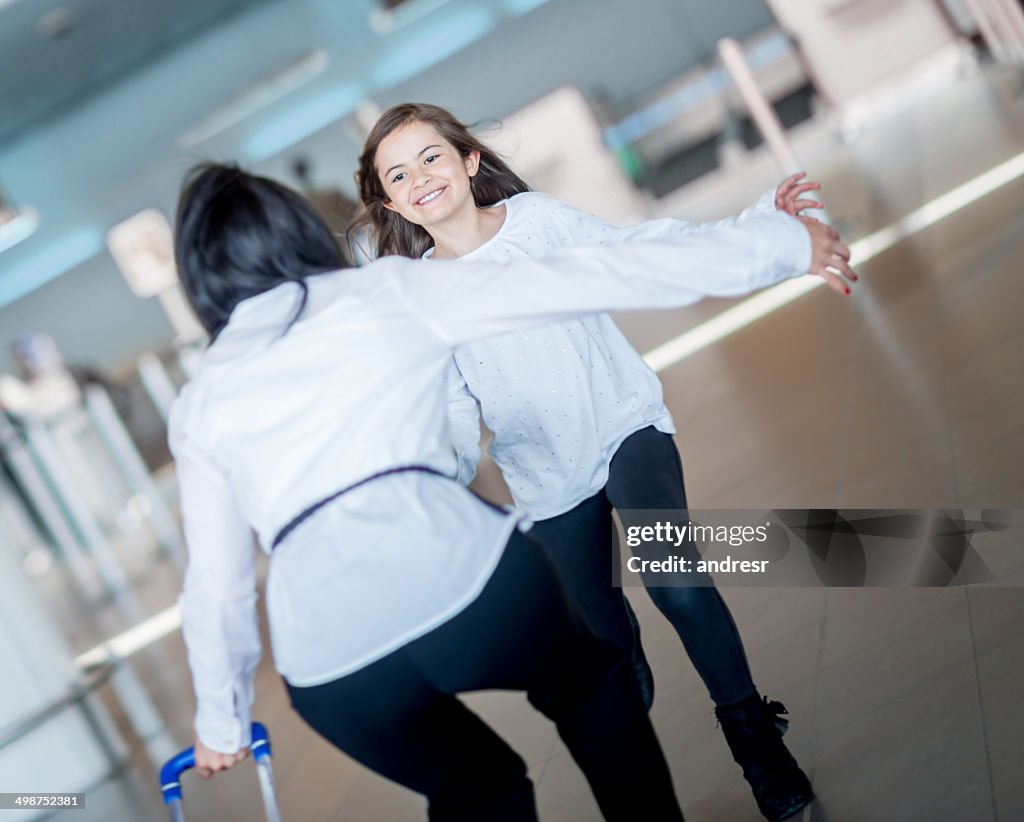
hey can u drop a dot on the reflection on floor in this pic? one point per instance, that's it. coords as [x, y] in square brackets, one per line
[904, 703]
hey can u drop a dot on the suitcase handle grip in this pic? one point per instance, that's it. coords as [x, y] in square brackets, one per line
[170, 773]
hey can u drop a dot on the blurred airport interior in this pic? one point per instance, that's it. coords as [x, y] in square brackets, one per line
[904, 702]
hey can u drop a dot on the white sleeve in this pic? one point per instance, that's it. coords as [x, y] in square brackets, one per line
[463, 424]
[586, 229]
[218, 603]
[765, 204]
[464, 300]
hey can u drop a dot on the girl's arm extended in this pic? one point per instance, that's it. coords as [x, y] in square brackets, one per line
[586, 229]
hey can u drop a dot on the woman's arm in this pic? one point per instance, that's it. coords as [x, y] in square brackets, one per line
[218, 603]
[463, 300]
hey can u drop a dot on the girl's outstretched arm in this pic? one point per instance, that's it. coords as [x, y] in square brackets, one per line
[587, 229]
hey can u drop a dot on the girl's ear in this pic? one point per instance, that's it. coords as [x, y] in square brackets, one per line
[472, 161]
[389, 205]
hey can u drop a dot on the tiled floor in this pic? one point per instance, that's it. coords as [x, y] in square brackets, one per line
[904, 702]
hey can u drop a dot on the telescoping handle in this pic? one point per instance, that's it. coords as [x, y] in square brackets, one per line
[170, 773]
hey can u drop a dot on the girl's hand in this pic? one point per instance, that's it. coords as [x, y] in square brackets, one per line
[209, 762]
[787, 195]
[830, 257]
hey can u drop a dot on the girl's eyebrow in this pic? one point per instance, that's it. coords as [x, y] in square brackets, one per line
[421, 153]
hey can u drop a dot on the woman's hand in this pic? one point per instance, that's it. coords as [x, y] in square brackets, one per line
[209, 762]
[830, 257]
[787, 195]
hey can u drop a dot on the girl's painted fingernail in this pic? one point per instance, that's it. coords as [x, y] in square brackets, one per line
[847, 290]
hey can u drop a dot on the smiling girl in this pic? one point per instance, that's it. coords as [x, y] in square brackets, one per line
[578, 419]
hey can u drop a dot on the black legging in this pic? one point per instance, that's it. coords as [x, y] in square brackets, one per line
[646, 474]
[399, 716]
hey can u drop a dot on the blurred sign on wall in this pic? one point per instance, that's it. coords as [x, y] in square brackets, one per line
[143, 248]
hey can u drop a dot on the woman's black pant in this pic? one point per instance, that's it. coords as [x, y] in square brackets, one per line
[646, 475]
[399, 715]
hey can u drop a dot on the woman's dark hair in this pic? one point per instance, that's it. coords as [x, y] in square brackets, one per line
[238, 235]
[392, 233]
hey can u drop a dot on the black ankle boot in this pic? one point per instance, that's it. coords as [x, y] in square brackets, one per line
[754, 728]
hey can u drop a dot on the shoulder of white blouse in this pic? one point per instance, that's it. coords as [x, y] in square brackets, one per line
[533, 200]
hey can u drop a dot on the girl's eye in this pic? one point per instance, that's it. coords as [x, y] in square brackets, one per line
[431, 158]
[398, 177]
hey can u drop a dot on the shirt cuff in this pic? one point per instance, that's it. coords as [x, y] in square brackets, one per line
[765, 204]
[224, 734]
[786, 251]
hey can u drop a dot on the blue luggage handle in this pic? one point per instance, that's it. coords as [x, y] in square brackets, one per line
[170, 773]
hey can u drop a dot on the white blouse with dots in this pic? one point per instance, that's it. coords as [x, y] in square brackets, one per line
[560, 398]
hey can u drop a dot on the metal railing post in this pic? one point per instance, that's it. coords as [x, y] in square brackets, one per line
[40, 493]
[158, 384]
[128, 460]
[107, 563]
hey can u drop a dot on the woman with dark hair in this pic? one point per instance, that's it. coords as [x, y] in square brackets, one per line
[317, 419]
[579, 423]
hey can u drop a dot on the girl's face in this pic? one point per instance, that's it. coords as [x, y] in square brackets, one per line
[424, 176]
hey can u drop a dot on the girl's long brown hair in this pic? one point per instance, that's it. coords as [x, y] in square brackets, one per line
[390, 232]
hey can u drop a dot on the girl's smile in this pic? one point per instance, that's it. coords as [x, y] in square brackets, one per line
[432, 196]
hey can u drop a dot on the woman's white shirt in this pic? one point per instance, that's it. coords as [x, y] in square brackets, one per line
[274, 422]
[560, 398]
